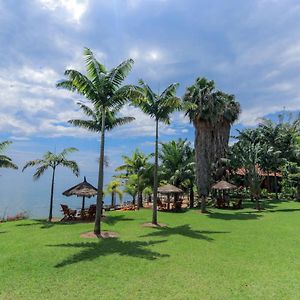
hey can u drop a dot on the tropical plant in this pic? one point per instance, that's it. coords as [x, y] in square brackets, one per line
[114, 189]
[159, 107]
[105, 91]
[5, 161]
[131, 186]
[212, 112]
[246, 154]
[178, 165]
[53, 161]
[136, 165]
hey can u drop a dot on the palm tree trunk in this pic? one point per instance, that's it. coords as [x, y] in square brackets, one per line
[97, 228]
[113, 199]
[51, 196]
[211, 143]
[191, 197]
[276, 185]
[155, 186]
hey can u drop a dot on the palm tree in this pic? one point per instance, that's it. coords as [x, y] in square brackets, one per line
[177, 165]
[5, 161]
[95, 121]
[52, 160]
[113, 188]
[159, 107]
[212, 113]
[136, 164]
[103, 89]
[246, 154]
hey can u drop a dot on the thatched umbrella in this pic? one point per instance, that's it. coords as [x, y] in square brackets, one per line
[169, 190]
[83, 189]
[223, 185]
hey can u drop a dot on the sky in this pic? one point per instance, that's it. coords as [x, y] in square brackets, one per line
[251, 48]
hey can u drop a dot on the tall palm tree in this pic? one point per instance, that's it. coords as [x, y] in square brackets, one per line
[113, 188]
[177, 165]
[52, 161]
[105, 91]
[5, 161]
[212, 112]
[159, 107]
[136, 165]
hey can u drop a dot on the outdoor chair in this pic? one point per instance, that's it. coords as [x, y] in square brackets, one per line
[237, 204]
[92, 211]
[69, 214]
[160, 205]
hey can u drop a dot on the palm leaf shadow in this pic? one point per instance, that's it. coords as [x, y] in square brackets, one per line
[183, 230]
[92, 250]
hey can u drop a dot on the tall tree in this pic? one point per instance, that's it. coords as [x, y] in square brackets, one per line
[105, 91]
[159, 107]
[212, 113]
[5, 161]
[136, 165]
[53, 161]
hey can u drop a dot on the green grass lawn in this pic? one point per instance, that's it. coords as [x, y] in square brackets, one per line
[241, 254]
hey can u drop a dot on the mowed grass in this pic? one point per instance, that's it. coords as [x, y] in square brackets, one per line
[241, 254]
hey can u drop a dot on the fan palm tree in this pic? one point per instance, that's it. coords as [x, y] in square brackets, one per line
[52, 161]
[105, 91]
[136, 165]
[212, 113]
[5, 161]
[113, 188]
[159, 107]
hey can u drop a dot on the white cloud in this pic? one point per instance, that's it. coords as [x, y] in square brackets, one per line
[75, 9]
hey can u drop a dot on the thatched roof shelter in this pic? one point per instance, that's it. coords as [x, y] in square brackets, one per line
[169, 189]
[83, 189]
[223, 185]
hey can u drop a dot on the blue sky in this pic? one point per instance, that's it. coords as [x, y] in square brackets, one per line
[251, 48]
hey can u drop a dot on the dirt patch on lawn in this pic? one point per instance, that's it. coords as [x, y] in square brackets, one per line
[154, 225]
[103, 235]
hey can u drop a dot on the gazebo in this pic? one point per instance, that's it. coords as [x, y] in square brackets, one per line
[83, 189]
[170, 190]
[222, 186]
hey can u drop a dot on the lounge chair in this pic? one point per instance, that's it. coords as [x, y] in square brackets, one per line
[69, 214]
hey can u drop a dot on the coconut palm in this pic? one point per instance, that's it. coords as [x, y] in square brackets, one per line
[53, 161]
[159, 107]
[5, 161]
[105, 91]
[177, 165]
[136, 165]
[212, 113]
[113, 189]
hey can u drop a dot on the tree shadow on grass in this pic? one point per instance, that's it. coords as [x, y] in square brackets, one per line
[3, 232]
[235, 216]
[46, 224]
[183, 230]
[112, 220]
[284, 210]
[93, 250]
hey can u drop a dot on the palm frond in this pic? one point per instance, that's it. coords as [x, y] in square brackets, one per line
[40, 171]
[33, 163]
[72, 165]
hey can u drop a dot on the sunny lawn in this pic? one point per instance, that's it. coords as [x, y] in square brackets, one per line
[223, 255]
